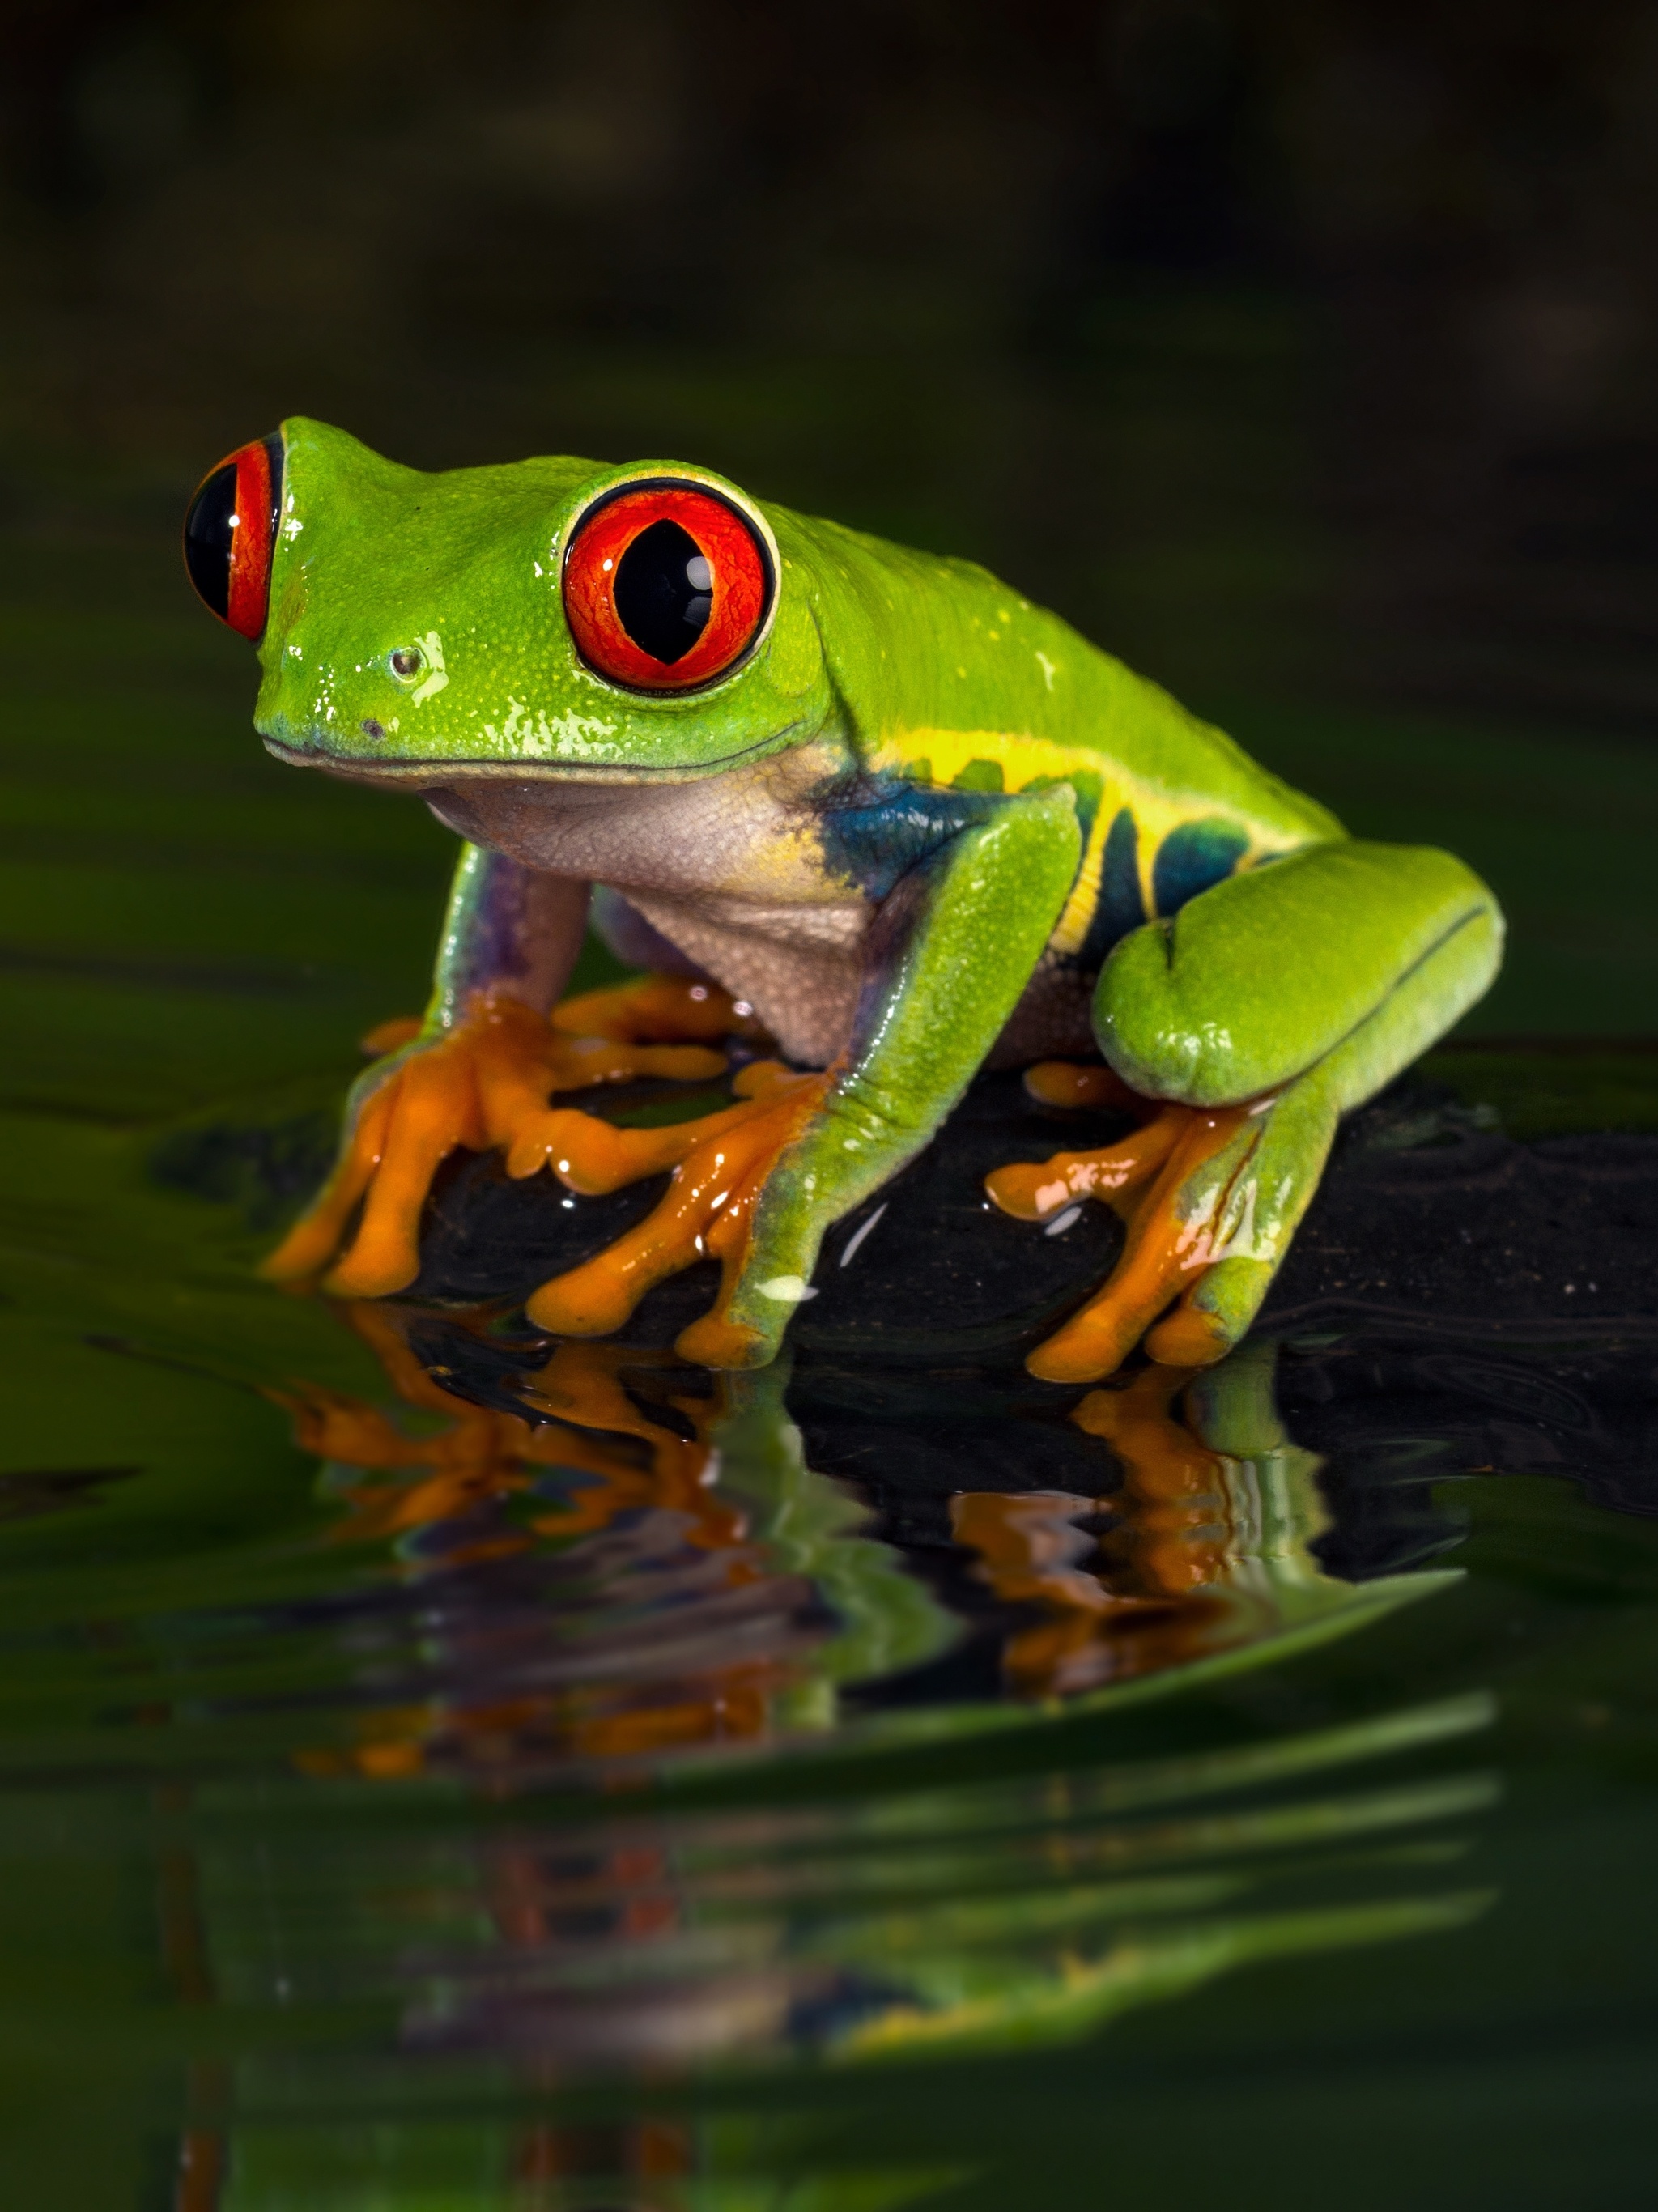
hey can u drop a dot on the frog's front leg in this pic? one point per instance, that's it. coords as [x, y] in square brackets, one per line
[1267, 1008]
[952, 950]
[478, 1069]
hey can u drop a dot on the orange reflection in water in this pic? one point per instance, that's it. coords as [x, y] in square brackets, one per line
[473, 1492]
[1160, 1590]
[617, 1452]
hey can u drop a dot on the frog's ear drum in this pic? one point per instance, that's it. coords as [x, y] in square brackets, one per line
[666, 586]
[229, 532]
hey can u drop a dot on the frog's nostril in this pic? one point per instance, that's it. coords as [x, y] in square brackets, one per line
[230, 533]
[408, 660]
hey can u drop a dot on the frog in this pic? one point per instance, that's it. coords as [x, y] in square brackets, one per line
[865, 821]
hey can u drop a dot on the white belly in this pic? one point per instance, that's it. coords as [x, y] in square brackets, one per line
[726, 868]
[732, 872]
[800, 967]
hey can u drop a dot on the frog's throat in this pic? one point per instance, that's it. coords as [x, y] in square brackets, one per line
[428, 774]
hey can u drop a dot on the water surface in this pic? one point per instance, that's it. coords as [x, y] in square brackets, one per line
[445, 1768]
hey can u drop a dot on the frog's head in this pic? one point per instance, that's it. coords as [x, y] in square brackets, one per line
[550, 618]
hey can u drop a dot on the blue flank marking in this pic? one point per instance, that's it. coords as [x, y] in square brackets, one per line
[1120, 907]
[874, 844]
[1193, 858]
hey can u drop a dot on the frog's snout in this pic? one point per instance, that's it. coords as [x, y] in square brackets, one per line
[230, 531]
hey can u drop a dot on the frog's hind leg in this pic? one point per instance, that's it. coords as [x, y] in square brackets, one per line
[1167, 1180]
[1270, 1006]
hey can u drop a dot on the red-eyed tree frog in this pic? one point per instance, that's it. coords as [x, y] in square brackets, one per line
[870, 802]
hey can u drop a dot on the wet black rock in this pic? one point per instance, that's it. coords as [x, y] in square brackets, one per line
[1424, 1212]
[1463, 1224]
[926, 1268]
[1456, 1304]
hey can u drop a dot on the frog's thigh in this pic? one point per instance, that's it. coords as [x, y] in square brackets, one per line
[1264, 977]
[1296, 991]
[1258, 1215]
[1398, 964]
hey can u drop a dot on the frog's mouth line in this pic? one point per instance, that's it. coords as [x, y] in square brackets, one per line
[433, 774]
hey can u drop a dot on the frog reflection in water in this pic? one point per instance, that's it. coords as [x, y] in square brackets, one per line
[730, 1593]
[587, 1476]
[870, 803]
[713, 1587]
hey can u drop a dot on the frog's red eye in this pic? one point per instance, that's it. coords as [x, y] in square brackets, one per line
[666, 586]
[229, 532]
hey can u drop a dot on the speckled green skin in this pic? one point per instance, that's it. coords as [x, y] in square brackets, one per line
[908, 738]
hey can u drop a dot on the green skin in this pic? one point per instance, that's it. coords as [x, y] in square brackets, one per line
[922, 825]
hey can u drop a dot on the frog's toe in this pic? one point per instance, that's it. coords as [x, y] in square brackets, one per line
[315, 1237]
[396, 1136]
[659, 1009]
[719, 1164]
[468, 1088]
[431, 1104]
[1164, 1154]
[1170, 1235]
[1206, 1237]
[485, 1084]
[1213, 1313]
[745, 1327]
[1037, 1192]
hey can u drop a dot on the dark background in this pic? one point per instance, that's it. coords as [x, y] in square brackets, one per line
[1309, 347]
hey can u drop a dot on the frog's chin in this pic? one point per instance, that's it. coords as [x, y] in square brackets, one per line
[427, 775]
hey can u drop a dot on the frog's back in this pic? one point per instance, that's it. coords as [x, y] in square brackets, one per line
[951, 677]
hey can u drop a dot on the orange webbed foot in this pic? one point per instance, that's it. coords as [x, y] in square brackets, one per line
[1167, 1179]
[486, 1084]
[657, 1010]
[719, 1162]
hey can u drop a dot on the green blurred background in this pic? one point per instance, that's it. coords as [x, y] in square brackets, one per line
[1304, 354]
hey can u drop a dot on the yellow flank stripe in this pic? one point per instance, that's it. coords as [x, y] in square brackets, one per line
[1026, 760]
[1078, 909]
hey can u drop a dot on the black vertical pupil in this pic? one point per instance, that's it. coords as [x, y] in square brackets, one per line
[208, 534]
[663, 591]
